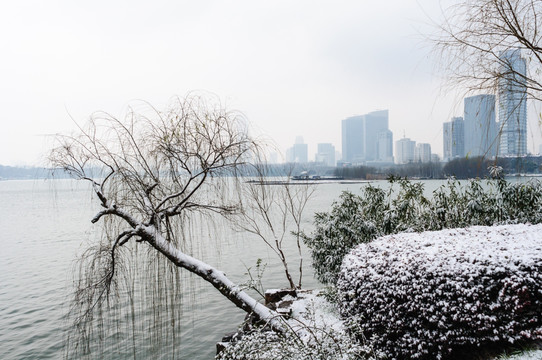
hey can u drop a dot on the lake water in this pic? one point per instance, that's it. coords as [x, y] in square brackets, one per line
[44, 224]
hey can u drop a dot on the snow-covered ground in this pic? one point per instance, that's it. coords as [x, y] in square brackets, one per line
[311, 308]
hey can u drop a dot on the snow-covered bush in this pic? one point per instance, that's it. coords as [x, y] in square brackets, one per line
[376, 212]
[314, 331]
[489, 202]
[268, 345]
[445, 294]
[347, 225]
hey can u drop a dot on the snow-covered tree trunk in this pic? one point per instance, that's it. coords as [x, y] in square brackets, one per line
[214, 276]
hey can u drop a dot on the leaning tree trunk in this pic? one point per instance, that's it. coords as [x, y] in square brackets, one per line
[214, 276]
[217, 278]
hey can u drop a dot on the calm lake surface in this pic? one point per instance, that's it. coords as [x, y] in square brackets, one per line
[44, 224]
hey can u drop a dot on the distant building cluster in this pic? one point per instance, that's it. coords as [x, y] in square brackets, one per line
[299, 153]
[366, 139]
[407, 151]
[478, 133]
[491, 125]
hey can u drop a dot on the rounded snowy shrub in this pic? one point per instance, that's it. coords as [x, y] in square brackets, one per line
[445, 294]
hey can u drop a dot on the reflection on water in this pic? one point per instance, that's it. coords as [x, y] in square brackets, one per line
[45, 224]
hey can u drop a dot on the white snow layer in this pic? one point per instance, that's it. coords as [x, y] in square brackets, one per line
[501, 246]
[311, 311]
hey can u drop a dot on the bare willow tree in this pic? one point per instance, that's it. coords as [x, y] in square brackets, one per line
[149, 173]
[476, 33]
[274, 213]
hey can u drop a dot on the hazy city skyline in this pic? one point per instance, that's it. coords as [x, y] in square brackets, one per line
[293, 68]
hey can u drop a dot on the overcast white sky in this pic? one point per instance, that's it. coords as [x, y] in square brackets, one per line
[292, 67]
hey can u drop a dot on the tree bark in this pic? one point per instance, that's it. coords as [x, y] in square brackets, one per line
[214, 276]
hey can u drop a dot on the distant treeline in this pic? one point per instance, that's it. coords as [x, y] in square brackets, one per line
[462, 168]
[12, 173]
[412, 170]
[466, 168]
[270, 170]
[22, 173]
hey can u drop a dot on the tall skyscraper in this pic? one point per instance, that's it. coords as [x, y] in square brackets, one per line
[422, 153]
[512, 93]
[454, 139]
[480, 127]
[404, 151]
[374, 122]
[299, 152]
[385, 146]
[353, 136]
[360, 137]
[326, 154]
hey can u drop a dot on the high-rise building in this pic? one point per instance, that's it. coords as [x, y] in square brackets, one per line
[374, 123]
[360, 137]
[299, 152]
[404, 151]
[326, 154]
[453, 138]
[353, 136]
[385, 146]
[480, 127]
[422, 153]
[512, 92]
